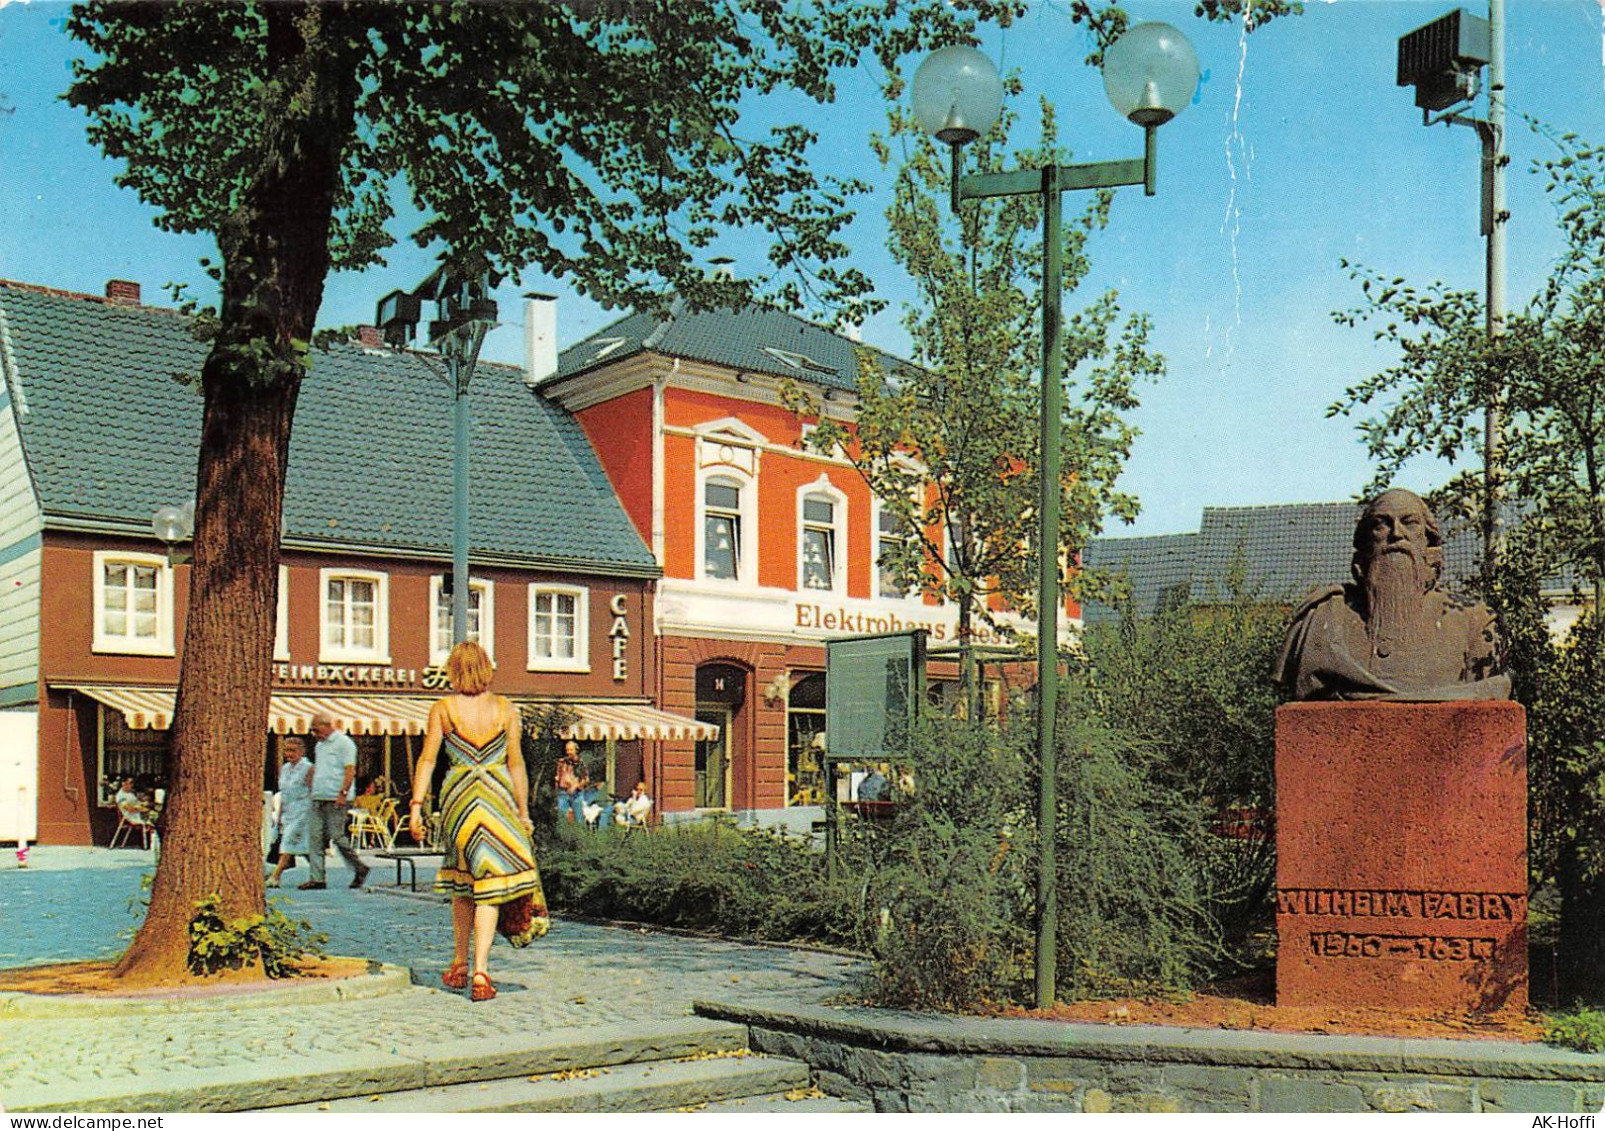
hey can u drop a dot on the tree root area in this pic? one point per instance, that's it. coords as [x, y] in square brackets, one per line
[96, 979]
[1249, 1003]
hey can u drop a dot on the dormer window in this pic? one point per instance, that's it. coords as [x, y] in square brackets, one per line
[799, 361]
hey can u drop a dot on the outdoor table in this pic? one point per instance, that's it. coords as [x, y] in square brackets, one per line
[409, 857]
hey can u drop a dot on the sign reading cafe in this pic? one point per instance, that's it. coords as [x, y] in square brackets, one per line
[619, 634]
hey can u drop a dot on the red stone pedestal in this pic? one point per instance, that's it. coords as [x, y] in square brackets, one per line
[1401, 855]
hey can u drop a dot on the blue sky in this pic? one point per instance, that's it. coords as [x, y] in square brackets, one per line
[1299, 152]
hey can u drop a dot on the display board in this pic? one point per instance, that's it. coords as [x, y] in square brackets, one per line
[873, 688]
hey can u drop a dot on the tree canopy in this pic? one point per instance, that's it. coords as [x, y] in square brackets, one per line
[599, 142]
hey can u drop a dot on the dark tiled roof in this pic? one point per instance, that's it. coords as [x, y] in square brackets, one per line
[1281, 553]
[755, 339]
[1153, 566]
[112, 433]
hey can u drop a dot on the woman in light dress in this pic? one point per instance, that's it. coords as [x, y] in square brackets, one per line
[295, 807]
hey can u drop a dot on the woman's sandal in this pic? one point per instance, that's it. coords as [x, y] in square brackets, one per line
[456, 976]
[483, 990]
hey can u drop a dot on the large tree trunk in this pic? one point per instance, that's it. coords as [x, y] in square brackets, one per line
[275, 258]
[212, 820]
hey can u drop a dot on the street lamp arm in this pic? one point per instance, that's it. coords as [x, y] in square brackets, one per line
[1033, 182]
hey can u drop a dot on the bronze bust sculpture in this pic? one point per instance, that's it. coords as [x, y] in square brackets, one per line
[1392, 633]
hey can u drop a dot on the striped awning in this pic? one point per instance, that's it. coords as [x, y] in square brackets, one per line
[151, 708]
[624, 722]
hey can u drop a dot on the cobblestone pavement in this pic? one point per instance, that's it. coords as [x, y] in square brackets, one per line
[72, 903]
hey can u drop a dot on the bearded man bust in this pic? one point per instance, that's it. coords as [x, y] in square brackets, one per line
[1392, 633]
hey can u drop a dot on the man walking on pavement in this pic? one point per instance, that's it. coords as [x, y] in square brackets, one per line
[332, 776]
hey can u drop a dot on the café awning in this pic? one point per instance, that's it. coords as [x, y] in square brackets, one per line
[624, 722]
[151, 708]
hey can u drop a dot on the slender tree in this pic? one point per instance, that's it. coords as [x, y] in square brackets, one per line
[949, 445]
[599, 142]
[1548, 369]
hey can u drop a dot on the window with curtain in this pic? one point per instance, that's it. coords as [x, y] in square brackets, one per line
[721, 529]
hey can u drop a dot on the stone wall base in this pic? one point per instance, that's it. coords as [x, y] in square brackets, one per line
[905, 1062]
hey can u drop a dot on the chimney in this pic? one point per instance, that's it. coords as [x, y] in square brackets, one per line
[370, 337]
[121, 292]
[540, 338]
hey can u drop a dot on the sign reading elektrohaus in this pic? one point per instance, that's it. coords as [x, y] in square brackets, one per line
[810, 616]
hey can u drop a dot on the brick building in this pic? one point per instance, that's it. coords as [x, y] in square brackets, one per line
[767, 548]
[99, 428]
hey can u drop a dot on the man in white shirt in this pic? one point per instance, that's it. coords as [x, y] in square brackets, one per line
[333, 773]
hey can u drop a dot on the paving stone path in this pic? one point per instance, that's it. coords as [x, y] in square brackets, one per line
[73, 904]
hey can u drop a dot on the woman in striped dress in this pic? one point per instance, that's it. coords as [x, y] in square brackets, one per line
[489, 867]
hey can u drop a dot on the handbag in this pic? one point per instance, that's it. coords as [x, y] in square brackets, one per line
[273, 849]
[521, 921]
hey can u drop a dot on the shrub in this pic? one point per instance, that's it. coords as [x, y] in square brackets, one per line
[953, 905]
[705, 875]
[1193, 686]
[1582, 1029]
[948, 907]
[1135, 913]
[275, 940]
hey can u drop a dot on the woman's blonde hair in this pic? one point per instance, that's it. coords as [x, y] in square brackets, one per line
[468, 668]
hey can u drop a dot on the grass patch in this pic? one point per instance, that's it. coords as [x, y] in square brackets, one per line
[1581, 1029]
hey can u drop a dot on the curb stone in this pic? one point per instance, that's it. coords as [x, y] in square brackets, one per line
[239, 1087]
[379, 981]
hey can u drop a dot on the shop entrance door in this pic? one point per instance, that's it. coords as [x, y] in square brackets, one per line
[713, 761]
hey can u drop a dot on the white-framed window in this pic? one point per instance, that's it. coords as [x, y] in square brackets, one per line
[356, 616]
[559, 628]
[891, 534]
[481, 617]
[133, 595]
[726, 521]
[281, 618]
[821, 538]
[722, 533]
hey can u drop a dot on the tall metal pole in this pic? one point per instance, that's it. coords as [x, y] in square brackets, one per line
[1048, 589]
[459, 493]
[1048, 183]
[461, 348]
[1495, 216]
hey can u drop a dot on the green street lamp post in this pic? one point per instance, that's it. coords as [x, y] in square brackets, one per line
[1150, 74]
[466, 311]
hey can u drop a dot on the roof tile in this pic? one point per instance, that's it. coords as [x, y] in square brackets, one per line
[112, 432]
